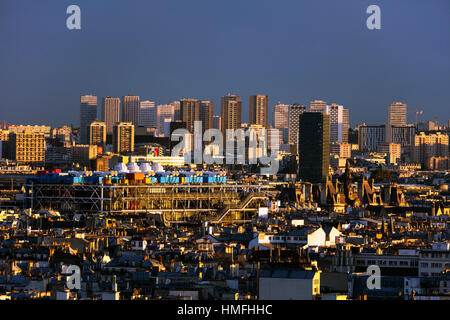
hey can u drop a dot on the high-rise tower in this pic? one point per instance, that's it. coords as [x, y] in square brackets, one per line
[231, 112]
[259, 110]
[190, 112]
[88, 114]
[110, 112]
[397, 114]
[314, 146]
[130, 109]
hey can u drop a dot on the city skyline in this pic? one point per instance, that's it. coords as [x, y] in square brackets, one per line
[365, 71]
[382, 116]
[313, 105]
[224, 156]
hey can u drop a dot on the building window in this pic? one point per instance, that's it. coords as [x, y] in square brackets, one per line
[436, 265]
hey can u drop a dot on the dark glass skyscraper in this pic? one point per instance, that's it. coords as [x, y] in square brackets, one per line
[314, 146]
[88, 114]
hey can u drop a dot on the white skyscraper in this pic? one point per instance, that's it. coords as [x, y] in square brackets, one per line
[397, 114]
[281, 121]
[336, 113]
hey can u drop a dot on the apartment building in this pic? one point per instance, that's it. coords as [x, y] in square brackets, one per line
[27, 147]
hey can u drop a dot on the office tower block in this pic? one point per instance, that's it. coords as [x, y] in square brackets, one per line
[130, 109]
[190, 112]
[336, 113]
[404, 135]
[318, 106]
[369, 137]
[164, 112]
[88, 114]
[345, 125]
[259, 110]
[147, 114]
[294, 113]
[110, 113]
[177, 109]
[314, 146]
[206, 114]
[217, 122]
[97, 134]
[281, 121]
[123, 137]
[231, 112]
[27, 147]
[397, 114]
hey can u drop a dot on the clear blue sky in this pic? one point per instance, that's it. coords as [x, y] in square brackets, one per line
[292, 50]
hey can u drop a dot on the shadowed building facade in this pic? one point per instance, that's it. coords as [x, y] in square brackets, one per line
[88, 114]
[314, 146]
